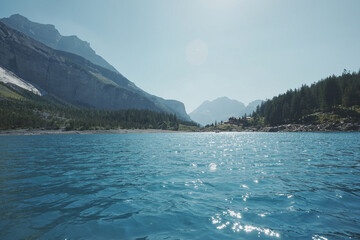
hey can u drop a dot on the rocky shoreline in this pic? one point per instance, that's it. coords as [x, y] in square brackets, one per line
[325, 127]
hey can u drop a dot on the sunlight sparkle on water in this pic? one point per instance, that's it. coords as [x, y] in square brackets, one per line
[223, 222]
[126, 181]
[317, 237]
[212, 167]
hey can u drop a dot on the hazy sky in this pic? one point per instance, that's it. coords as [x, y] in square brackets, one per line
[197, 50]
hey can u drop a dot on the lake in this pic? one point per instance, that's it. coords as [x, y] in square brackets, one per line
[180, 186]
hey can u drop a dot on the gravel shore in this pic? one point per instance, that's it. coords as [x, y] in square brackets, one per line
[57, 132]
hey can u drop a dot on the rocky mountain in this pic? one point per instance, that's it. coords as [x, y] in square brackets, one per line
[221, 109]
[11, 79]
[50, 36]
[74, 79]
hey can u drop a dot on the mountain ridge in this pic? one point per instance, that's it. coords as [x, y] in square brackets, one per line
[111, 77]
[221, 109]
[72, 77]
[51, 37]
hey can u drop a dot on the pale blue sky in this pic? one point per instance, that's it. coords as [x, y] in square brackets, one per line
[248, 49]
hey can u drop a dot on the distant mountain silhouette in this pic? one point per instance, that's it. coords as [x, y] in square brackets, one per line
[221, 109]
[251, 107]
[74, 79]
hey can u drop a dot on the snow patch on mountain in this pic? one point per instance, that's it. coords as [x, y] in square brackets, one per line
[9, 77]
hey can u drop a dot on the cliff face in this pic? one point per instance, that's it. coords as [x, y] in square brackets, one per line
[42, 65]
[66, 75]
[50, 36]
[8, 77]
[178, 107]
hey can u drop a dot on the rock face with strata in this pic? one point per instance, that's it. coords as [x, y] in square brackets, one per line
[67, 76]
[50, 36]
[75, 79]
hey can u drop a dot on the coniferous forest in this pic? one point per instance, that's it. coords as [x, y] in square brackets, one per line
[330, 104]
[336, 97]
[27, 110]
[335, 94]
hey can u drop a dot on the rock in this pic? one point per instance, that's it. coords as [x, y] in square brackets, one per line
[50, 36]
[326, 127]
[75, 79]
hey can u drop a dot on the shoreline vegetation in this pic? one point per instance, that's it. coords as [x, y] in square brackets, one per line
[221, 128]
[324, 127]
[21, 109]
[75, 132]
[332, 104]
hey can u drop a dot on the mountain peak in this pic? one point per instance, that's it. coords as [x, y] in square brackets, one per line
[220, 109]
[17, 16]
[21, 21]
[222, 98]
[50, 36]
[72, 78]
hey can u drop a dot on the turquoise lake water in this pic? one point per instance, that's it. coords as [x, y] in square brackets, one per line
[181, 186]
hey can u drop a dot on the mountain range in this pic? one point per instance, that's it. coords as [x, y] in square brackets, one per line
[50, 36]
[69, 69]
[221, 109]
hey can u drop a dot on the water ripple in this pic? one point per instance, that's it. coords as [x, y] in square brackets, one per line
[181, 186]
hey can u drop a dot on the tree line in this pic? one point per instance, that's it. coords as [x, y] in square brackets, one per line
[335, 96]
[39, 112]
[331, 94]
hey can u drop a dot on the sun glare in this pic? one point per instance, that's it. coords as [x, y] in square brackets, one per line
[220, 4]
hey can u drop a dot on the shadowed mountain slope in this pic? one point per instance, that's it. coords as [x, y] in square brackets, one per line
[50, 36]
[75, 79]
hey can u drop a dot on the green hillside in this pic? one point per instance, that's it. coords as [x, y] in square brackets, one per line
[335, 95]
[22, 109]
[332, 104]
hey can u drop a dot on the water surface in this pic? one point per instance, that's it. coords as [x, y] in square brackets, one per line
[180, 186]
